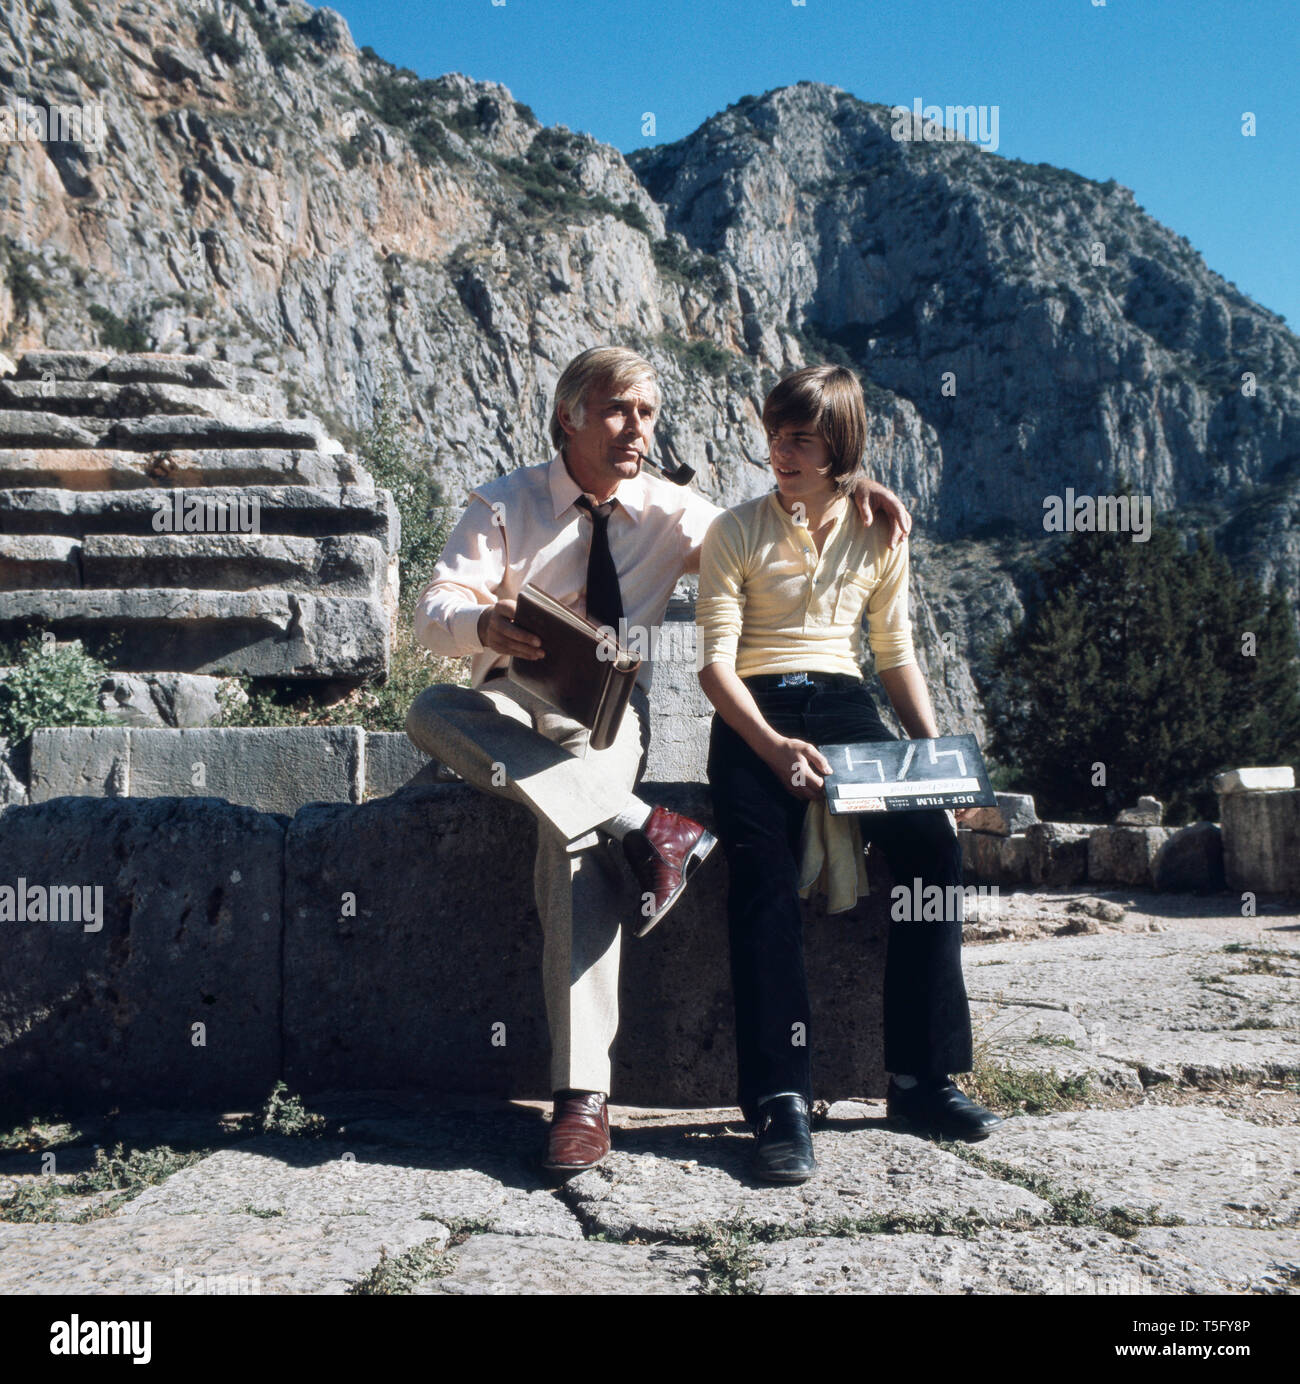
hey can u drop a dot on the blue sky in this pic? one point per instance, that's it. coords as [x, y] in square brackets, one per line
[1148, 92]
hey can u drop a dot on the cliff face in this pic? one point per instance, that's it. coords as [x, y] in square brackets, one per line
[266, 194]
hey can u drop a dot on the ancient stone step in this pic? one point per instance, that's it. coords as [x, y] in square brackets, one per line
[307, 511]
[265, 633]
[95, 469]
[100, 399]
[153, 367]
[28, 428]
[340, 565]
[31, 428]
[33, 562]
[271, 768]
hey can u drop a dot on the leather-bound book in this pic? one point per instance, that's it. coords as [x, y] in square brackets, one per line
[582, 672]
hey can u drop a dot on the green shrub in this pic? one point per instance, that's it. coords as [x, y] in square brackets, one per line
[116, 334]
[213, 38]
[52, 685]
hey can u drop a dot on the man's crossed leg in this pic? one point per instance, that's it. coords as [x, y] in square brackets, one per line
[504, 740]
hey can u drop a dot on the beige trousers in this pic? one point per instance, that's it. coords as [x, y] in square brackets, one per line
[507, 741]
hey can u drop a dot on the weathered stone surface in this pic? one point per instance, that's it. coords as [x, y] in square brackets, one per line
[1173, 1006]
[1243, 1261]
[161, 699]
[509, 1264]
[86, 761]
[339, 565]
[13, 790]
[393, 762]
[1202, 1165]
[452, 1177]
[988, 858]
[143, 366]
[1073, 1262]
[130, 399]
[32, 428]
[309, 511]
[1261, 840]
[192, 431]
[657, 1183]
[274, 769]
[383, 990]
[1124, 854]
[1255, 779]
[189, 936]
[30, 562]
[1148, 813]
[1013, 813]
[1058, 852]
[1190, 859]
[193, 1255]
[265, 633]
[100, 469]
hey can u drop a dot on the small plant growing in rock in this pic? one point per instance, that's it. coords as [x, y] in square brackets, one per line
[284, 1114]
[53, 685]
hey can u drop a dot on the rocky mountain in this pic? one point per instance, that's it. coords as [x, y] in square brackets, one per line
[266, 194]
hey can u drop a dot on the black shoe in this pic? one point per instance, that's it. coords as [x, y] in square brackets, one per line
[937, 1107]
[785, 1151]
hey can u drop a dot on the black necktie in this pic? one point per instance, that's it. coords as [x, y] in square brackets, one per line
[604, 600]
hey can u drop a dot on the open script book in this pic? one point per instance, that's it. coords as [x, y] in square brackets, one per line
[583, 673]
[904, 775]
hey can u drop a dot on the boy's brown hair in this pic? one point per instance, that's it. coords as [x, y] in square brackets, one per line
[829, 399]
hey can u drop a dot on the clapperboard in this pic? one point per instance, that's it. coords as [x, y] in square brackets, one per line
[906, 775]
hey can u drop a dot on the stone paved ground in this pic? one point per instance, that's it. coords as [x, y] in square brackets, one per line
[1150, 1061]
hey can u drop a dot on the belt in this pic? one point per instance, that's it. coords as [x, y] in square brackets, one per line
[770, 682]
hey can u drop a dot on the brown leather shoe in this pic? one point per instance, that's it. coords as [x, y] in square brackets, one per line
[579, 1134]
[663, 856]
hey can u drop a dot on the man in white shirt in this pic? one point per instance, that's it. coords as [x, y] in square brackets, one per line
[620, 558]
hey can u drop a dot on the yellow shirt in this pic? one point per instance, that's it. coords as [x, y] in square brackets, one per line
[769, 604]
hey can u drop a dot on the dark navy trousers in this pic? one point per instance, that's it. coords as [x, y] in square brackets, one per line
[759, 822]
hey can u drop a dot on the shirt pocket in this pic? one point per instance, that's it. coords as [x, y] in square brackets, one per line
[851, 598]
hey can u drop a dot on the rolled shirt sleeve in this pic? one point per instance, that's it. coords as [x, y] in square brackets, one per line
[720, 605]
[889, 624]
[463, 585]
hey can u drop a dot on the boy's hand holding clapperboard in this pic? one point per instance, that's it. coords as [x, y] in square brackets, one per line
[907, 775]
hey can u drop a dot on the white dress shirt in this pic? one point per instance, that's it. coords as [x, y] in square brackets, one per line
[524, 527]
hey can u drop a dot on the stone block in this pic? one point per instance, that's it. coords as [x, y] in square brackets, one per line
[1261, 840]
[339, 565]
[1058, 852]
[100, 469]
[272, 768]
[161, 699]
[1251, 780]
[175, 999]
[35, 562]
[290, 509]
[265, 633]
[411, 932]
[1013, 813]
[1124, 854]
[79, 761]
[394, 763]
[1190, 860]
[143, 366]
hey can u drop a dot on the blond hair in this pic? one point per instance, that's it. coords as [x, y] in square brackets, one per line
[606, 367]
[828, 398]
